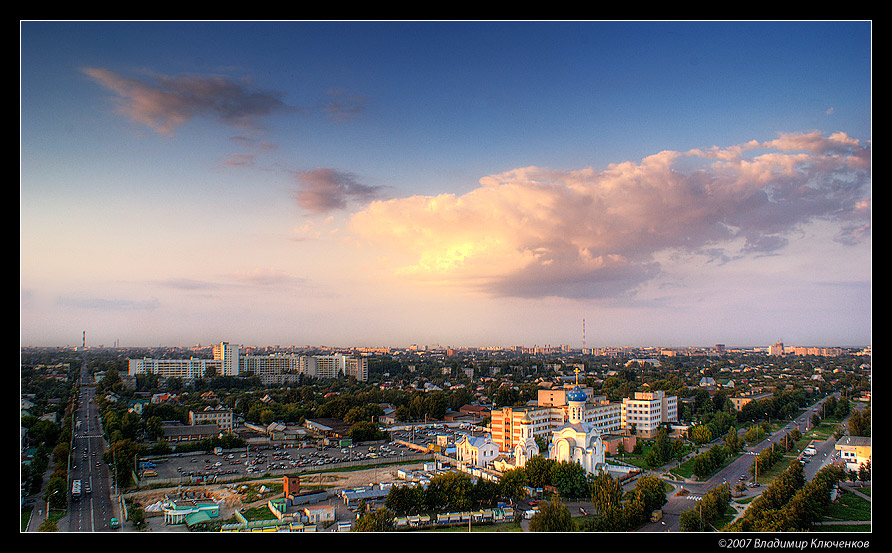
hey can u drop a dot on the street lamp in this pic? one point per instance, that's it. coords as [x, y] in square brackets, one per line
[48, 503]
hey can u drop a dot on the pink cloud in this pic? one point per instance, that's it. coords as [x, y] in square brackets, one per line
[536, 232]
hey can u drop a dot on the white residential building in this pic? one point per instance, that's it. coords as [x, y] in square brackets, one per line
[173, 368]
[228, 354]
[271, 369]
[647, 411]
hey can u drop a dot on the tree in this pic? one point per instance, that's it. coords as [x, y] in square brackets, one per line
[451, 491]
[485, 493]
[379, 520]
[689, 520]
[607, 492]
[859, 422]
[405, 500]
[538, 471]
[56, 492]
[512, 484]
[569, 478]
[652, 491]
[153, 427]
[701, 434]
[552, 517]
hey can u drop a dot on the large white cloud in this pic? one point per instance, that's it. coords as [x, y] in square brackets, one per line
[535, 232]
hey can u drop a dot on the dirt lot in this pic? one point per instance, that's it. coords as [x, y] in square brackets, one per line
[231, 498]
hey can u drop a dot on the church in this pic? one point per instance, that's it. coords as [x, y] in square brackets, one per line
[576, 441]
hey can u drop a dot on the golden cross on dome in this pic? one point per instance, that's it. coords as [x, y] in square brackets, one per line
[576, 370]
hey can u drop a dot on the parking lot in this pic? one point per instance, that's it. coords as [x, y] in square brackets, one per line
[255, 460]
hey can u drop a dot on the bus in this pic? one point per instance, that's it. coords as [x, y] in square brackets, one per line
[76, 490]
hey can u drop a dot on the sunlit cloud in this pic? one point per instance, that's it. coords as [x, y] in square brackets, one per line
[536, 232]
[165, 103]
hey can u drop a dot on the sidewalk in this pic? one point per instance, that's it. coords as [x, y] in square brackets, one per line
[38, 513]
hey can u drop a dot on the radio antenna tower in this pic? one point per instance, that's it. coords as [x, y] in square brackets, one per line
[583, 333]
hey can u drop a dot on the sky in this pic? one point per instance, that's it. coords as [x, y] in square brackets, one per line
[388, 184]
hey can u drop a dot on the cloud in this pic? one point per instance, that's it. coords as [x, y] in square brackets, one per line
[325, 189]
[187, 284]
[535, 232]
[164, 103]
[103, 304]
[341, 105]
[267, 278]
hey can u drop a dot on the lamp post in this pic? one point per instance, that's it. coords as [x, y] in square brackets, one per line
[48, 503]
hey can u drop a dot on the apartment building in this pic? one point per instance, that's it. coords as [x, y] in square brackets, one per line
[186, 369]
[550, 414]
[228, 355]
[647, 411]
[332, 366]
[272, 369]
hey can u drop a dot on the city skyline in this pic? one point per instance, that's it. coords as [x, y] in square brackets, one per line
[461, 183]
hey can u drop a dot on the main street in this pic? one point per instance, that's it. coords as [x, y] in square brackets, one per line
[93, 511]
[739, 470]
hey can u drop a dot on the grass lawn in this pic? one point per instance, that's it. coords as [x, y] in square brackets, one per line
[500, 527]
[848, 507]
[258, 513]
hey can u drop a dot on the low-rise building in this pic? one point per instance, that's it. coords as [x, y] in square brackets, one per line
[219, 415]
[476, 452]
[742, 400]
[854, 451]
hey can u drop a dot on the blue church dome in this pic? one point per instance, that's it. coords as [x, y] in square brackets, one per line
[576, 394]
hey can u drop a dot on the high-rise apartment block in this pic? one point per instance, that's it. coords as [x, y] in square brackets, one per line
[228, 354]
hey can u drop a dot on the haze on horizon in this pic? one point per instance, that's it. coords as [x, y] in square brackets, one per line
[455, 183]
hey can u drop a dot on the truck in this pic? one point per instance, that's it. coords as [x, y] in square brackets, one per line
[218, 451]
[656, 515]
[114, 523]
[76, 490]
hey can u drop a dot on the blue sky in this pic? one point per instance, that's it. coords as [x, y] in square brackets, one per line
[454, 183]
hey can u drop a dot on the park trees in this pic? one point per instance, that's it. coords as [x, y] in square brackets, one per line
[553, 516]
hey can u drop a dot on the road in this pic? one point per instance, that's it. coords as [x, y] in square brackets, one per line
[93, 511]
[738, 468]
